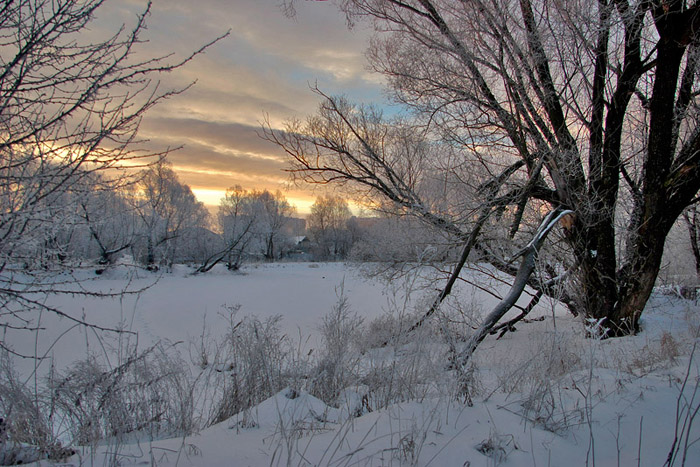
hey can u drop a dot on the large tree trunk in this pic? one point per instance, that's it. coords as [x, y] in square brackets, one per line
[615, 297]
[598, 284]
[640, 270]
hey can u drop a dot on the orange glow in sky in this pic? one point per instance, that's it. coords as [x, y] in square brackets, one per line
[265, 67]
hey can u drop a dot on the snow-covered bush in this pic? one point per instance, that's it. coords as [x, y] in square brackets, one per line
[257, 359]
[146, 396]
[338, 365]
[406, 372]
[386, 328]
[541, 376]
[656, 354]
[22, 421]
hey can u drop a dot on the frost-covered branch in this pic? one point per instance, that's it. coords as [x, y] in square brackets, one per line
[527, 267]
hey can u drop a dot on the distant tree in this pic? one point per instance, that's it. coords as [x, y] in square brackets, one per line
[271, 212]
[236, 219]
[394, 239]
[110, 221]
[355, 230]
[52, 244]
[328, 226]
[167, 210]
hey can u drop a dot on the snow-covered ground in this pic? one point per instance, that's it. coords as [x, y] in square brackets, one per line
[177, 307]
[543, 395]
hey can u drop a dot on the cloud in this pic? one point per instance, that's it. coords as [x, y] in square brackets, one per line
[214, 162]
[230, 135]
[265, 66]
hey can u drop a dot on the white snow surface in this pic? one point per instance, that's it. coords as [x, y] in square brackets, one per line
[176, 306]
[545, 395]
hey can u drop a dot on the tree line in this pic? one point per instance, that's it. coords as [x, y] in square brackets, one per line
[157, 220]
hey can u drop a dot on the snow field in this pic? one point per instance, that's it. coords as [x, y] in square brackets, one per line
[544, 395]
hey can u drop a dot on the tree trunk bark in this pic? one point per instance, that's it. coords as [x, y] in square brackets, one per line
[638, 275]
[590, 239]
[150, 255]
[692, 224]
[270, 249]
[615, 298]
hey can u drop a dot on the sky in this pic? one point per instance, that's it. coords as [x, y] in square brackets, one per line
[264, 67]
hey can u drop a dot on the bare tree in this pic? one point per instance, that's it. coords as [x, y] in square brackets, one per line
[167, 210]
[328, 226]
[69, 107]
[236, 219]
[589, 103]
[108, 219]
[271, 211]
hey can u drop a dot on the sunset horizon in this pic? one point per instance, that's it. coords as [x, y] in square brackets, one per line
[263, 70]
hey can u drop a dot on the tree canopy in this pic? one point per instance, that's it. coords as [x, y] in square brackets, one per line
[532, 105]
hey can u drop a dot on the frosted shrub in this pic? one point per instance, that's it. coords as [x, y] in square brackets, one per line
[381, 360]
[21, 418]
[542, 377]
[407, 372]
[339, 363]
[149, 394]
[656, 354]
[257, 358]
[391, 328]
